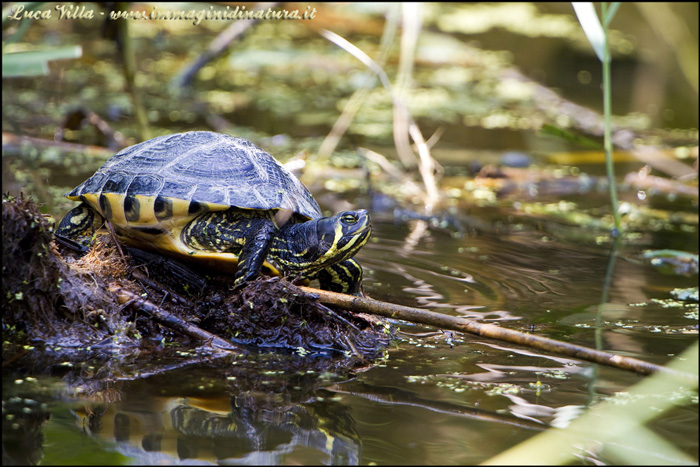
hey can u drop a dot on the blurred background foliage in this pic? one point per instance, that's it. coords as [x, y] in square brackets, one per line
[481, 75]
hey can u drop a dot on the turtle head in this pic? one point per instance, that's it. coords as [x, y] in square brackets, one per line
[310, 247]
[341, 236]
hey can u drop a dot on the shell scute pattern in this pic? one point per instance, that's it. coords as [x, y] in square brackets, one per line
[117, 183]
[92, 185]
[145, 185]
[203, 167]
[177, 189]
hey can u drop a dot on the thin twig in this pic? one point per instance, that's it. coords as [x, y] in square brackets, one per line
[428, 176]
[218, 46]
[17, 144]
[442, 321]
[113, 235]
[129, 62]
[357, 99]
[171, 321]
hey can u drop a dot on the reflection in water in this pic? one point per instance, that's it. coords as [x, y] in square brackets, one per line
[571, 365]
[393, 396]
[559, 417]
[261, 408]
[258, 408]
[246, 428]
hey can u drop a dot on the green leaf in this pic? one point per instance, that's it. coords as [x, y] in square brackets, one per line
[35, 63]
[15, 67]
[570, 136]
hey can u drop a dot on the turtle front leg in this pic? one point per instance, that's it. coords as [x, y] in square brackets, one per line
[344, 277]
[78, 221]
[255, 250]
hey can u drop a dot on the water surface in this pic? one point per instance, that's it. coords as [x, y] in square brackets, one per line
[436, 398]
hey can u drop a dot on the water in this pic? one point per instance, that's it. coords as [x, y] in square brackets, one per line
[438, 398]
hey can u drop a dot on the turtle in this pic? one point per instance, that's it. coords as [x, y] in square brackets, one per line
[221, 202]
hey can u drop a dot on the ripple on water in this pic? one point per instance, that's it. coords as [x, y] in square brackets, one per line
[487, 277]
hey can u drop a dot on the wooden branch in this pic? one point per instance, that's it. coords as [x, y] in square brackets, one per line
[173, 322]
[442, 321]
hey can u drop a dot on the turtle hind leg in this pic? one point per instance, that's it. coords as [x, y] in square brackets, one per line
[79, 220]
[254, 252]
[344, 277]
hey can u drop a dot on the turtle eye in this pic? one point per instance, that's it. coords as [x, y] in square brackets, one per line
[349, 219]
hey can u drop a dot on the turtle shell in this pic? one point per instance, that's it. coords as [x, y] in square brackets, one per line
[176, 176]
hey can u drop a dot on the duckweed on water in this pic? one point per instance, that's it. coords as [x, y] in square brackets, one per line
[457, 384]
[681, 394]
[555, 374]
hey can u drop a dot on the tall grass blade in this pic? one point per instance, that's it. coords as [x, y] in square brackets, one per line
[611, 423]
[607, 113]
[597, 35]
[585, 11]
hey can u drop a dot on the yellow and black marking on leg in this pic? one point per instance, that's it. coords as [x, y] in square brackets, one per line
[81, 220]
[245, 233]
[221, 231]
[294, 255]
[345, 277]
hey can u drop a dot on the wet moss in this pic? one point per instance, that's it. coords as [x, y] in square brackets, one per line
[30, 271]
